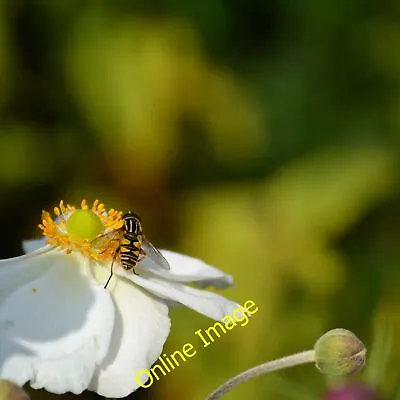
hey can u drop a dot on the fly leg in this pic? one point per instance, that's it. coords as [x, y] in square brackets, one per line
[112, 268]
[142, 255]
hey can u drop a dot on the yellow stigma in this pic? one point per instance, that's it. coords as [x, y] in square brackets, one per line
[77, 229]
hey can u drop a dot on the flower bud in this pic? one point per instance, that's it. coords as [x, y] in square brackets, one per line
[352, 391]
[339, 352]
[10, 391]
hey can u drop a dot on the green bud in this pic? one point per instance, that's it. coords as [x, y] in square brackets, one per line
[10, 391]
[84, 224]
[339, 352]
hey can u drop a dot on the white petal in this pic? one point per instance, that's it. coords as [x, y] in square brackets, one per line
[187, 269]
[17, 271]
[210, 304]
[56, 329]
[32, 245]
[141, 327]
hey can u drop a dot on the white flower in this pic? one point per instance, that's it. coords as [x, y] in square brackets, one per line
[62, 331]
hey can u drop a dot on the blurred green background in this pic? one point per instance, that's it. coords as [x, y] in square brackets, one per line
[260, 136]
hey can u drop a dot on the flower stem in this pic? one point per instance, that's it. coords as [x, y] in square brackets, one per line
[270, 366]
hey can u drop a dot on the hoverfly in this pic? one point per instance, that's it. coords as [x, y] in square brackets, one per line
[131, 245]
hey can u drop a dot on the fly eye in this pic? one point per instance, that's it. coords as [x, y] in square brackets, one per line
[131, 215]
[136, 216]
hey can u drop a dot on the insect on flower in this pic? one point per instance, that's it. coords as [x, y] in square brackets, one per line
[131, 246]
[80, 336]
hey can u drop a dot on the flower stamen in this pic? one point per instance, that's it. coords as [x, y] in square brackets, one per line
[76, 229]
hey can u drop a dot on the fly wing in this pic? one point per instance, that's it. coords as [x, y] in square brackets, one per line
[154, 254]
[103, 241]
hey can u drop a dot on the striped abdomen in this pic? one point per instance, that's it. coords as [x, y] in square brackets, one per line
[130, 250]
[132, 241]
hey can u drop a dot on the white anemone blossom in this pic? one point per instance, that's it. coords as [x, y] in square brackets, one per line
[61, 330]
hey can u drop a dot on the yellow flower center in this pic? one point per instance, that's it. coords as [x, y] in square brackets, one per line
[82, 229]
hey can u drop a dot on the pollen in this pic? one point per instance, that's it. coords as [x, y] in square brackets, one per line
[81, 229]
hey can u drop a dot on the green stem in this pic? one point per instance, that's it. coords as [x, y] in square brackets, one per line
[270, 366]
